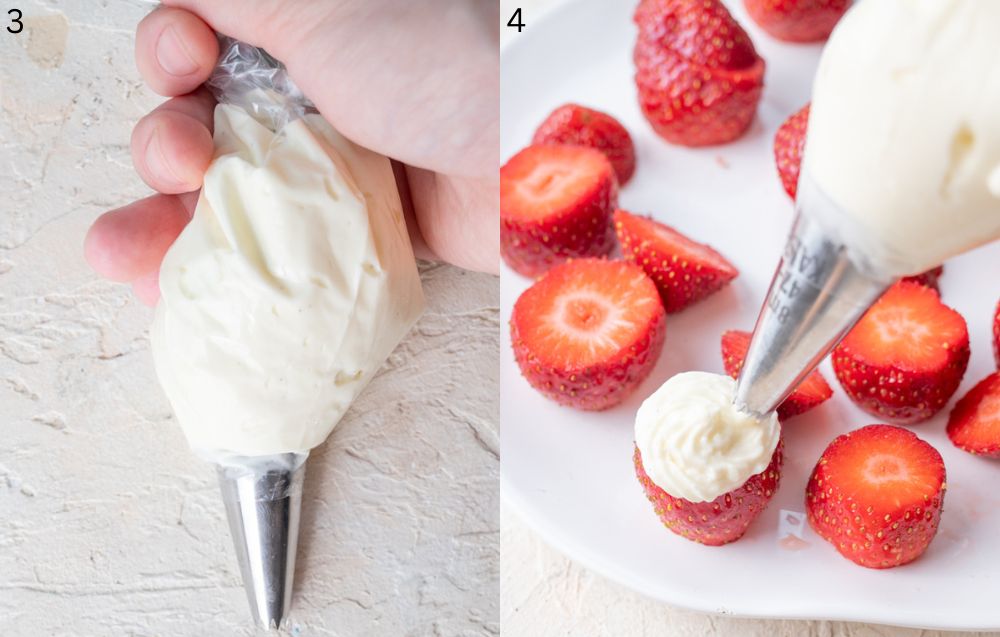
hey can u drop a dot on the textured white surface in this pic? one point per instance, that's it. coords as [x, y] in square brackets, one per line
[108, 525]
[544, 594]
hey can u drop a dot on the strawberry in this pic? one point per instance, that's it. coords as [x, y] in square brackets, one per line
[788, 143]
[724, 519]
[580, 126]
[797, 20]
[555, 203]
[905, 357]
[684, 271]
[996, 335]
[928, 278]
[974, 424]
[876, 495]
[810, 392]
[588, 332]
[698, 75]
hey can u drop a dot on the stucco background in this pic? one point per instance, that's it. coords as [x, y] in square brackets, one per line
[108, 524]
[545, 594]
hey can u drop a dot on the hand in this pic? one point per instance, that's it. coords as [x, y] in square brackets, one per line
[416, 81]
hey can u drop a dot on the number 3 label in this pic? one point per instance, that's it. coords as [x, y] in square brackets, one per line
[15, 19]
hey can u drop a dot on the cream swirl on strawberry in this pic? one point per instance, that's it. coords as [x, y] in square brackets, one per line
[693, 441]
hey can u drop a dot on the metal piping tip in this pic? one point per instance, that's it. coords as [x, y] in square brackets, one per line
[263, 498]
[819, 291]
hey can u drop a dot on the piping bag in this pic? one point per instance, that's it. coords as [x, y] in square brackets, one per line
[281, 299]
[821, 288]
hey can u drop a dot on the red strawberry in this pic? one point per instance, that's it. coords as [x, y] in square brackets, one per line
[580, 126]
[588, 332]
[905, 357]
[788, 143]
[876, 495]
[996, 335]
[697, 72]
[724, 519]
[684, 271]
[797, 20]
[555, 203]
[974, 424]
[928, 278]
[811, 392]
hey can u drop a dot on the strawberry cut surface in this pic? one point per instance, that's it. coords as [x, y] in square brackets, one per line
[811, 392]
[572, 124]
[906, 356]
[876, 495]
[588, 332]
[555, 203]
[684, 270]
[974, 423]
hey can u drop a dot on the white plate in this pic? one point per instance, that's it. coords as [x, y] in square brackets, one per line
[569, 473]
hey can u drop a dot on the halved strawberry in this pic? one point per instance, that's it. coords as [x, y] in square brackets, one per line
[555, 203]
[577, 125]
[698, 75]
[928, 278]
[876, 495]
[788, 143]
[797, 20]
[588, 332]
[684, 271]
[974, 424]
[905, 357]
[724, 519]
[810, 392]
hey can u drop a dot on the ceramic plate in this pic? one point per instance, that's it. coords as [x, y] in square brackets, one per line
[569, 473]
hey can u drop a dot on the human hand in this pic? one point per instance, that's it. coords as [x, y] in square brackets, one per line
[418, 82]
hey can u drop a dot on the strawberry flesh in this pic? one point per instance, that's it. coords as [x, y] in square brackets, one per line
[724, 519]
[811, 392]
[974, 423]
[572, 124]
[876, 495]
[555, 204]
[684, 270]
[588, 332]
[906, 356]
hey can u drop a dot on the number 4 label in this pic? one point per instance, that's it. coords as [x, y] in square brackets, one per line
[515, 20]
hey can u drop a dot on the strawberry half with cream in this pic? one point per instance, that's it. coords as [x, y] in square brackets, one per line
[811, 392]
[684, 270]
[555, 204]
[876, 495]
[588, 332]
[974, 423]
[906, 356]
[577, 125]
[708, 468]
[698, 75]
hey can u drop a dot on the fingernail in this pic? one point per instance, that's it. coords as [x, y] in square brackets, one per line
[156, 161]
[173, 56]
